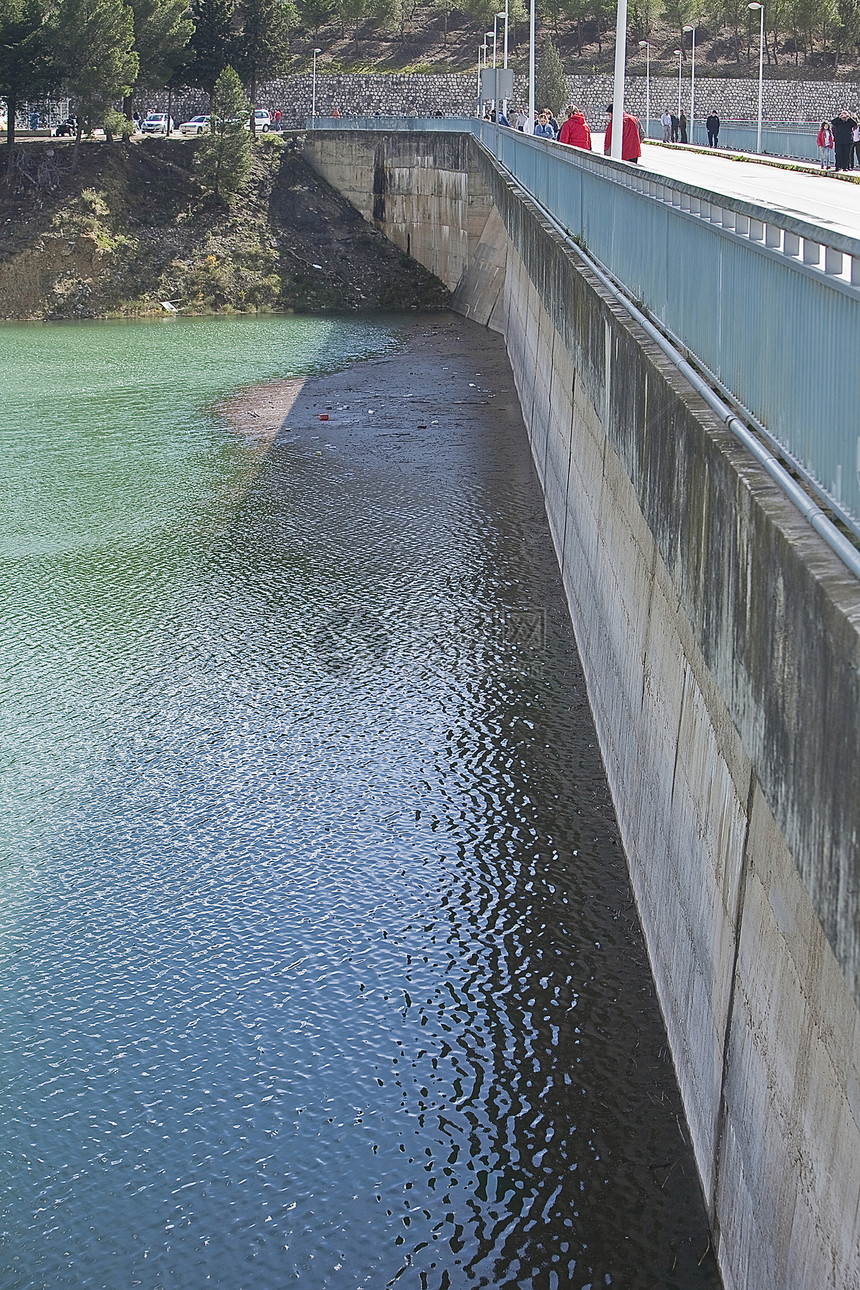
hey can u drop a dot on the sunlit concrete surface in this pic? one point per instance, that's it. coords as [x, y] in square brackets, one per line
[831, 203]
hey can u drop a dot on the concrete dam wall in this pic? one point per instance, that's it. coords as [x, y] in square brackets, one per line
[721, 641]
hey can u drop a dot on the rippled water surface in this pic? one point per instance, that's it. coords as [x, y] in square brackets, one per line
[319, 965]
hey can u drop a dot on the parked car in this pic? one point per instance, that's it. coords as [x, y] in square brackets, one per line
[197, 125]
[68, 128]
[157, 123]
[262, 122]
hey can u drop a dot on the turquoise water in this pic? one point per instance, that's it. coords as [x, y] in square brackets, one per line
[318, 963]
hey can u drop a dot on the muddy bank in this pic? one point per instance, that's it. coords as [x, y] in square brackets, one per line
[396, 404]
[133, 228]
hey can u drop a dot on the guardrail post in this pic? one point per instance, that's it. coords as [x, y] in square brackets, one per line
[832, 261]
[790, 244]
[811, 251]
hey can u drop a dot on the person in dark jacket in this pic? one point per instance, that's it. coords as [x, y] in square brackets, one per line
[674, 127]
[713, 127]
[682, 126]
[843, 127]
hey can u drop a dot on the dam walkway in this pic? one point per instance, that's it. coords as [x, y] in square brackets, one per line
[753, 271]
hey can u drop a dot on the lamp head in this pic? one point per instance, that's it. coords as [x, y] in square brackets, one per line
[689, 29]
[643, 43]
[755, 5]
[317, 51]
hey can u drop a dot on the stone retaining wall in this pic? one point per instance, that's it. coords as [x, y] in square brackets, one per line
[455, 95]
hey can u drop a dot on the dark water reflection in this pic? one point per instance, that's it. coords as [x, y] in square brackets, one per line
[319, 963]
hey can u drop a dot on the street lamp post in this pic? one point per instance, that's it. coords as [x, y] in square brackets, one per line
[492, 35]
[529, 127]
[618, 82]
[692, 84]
[314, 87]
[504, 14]
[680, 54]
[646, 45]
[478, 87]
[760, 8]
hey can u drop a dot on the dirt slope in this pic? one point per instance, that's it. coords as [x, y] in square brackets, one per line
[132, 228]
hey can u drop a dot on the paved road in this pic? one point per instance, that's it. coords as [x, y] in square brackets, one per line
[829, 203]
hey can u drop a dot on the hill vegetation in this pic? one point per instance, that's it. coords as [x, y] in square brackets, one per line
[133, 226]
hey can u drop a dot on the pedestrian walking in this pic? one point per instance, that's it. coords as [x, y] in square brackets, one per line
[666, 122]
[843, 127]
[712, 125]
[631, 144]
[682, 125]
[575, 132]
[543, 128]
[855, 140]
[825, 145]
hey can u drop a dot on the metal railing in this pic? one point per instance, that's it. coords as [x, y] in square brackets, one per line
[797, 139]
[767, 303]
[449, 124]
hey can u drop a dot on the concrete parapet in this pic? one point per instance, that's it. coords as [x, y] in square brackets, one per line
[721, 641]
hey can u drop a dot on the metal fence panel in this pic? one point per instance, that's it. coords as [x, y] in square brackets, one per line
[775, 328]
[780, 139]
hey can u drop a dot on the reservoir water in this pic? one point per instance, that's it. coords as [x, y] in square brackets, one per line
[319, 965]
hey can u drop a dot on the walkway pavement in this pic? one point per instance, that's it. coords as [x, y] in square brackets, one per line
[828, 202]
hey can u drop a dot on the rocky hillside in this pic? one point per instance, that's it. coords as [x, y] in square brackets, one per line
[133, 228]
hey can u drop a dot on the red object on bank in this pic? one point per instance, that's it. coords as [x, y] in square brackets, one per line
[323, 416]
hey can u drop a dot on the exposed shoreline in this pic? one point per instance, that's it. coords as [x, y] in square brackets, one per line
[388, 395]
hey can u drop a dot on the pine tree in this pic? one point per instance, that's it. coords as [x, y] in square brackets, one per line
[162, 30]
[551, 87]
[94, 43]
[223, 157]
[211, 44]
[846, 26]
[261, 48]
[315, 14]
[26, 64]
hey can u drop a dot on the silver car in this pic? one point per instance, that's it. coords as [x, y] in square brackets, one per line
[157, 123]
[197, 125]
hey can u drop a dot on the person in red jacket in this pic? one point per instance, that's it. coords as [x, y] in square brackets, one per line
[631, 147]
[575, 131]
